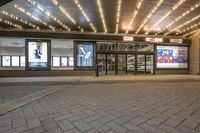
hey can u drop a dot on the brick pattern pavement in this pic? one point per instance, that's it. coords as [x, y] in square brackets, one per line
[166, 107]
[11, 93]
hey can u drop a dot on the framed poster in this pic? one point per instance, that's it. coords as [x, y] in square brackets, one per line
[71, 61]
[15, 61]
[38, 54]
[22, 61]
[172, 57]
[85, 54]
[6, 61]
[56, 61]
[64, 62]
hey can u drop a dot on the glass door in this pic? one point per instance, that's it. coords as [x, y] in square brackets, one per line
[110, 63]
[122, 63]
[141, 64]
[131, 63]
[150, 64]
[101, 61]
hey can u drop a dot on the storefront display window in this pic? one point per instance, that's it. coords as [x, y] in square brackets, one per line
[64, 50]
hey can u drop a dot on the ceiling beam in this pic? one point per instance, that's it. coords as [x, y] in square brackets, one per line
[4, 2]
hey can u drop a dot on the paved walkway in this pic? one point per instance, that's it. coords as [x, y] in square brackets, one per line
[137, 107]
[112, 78]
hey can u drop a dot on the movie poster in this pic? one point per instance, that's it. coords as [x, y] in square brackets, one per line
[64, 62]
[37, 54]
[5, 60]
[22, 61]
[85, 55]
[172, 57]
[15, 61]
[56, 61]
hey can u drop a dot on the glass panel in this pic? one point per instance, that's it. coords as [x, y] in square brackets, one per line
[56, 61]
[15, 61]
[140, 63]
[121, 63]
[22, 61]
[12, 46]
[101, 60]
[5, 60]
[64, 49]
[111, 63]
[149, 64]
[85, 55]
[131, 63]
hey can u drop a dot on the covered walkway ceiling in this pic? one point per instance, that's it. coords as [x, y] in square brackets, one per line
[147, 17]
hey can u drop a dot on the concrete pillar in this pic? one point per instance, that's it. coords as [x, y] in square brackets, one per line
[195, 54]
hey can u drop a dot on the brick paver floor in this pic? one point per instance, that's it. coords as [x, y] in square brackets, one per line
[143, 107]
[10, 93]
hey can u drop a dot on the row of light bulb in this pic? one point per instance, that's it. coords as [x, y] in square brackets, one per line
[20, 19]
[134, 14]
[102, 15]
[34, 17]
[197, 5]
[184, 24]
[11, 23]
[63, 10]
[189, 28]
[149, 15]
[47, 13]
[85, 15]
[192, 32]
[119, 3]
[166, 15]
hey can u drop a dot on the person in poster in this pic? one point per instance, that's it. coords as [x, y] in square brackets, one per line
[38, 52]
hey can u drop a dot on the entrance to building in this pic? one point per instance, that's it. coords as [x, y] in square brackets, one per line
[125, 63]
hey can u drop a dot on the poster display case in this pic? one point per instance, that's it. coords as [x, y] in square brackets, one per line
[170, 57]
[84, 54]
[38, 53]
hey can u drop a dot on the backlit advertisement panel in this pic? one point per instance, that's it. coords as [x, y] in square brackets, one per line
[38, 54]
[172, 57]
[85, 54]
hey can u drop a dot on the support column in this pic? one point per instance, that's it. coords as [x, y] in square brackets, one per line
[194, 54]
